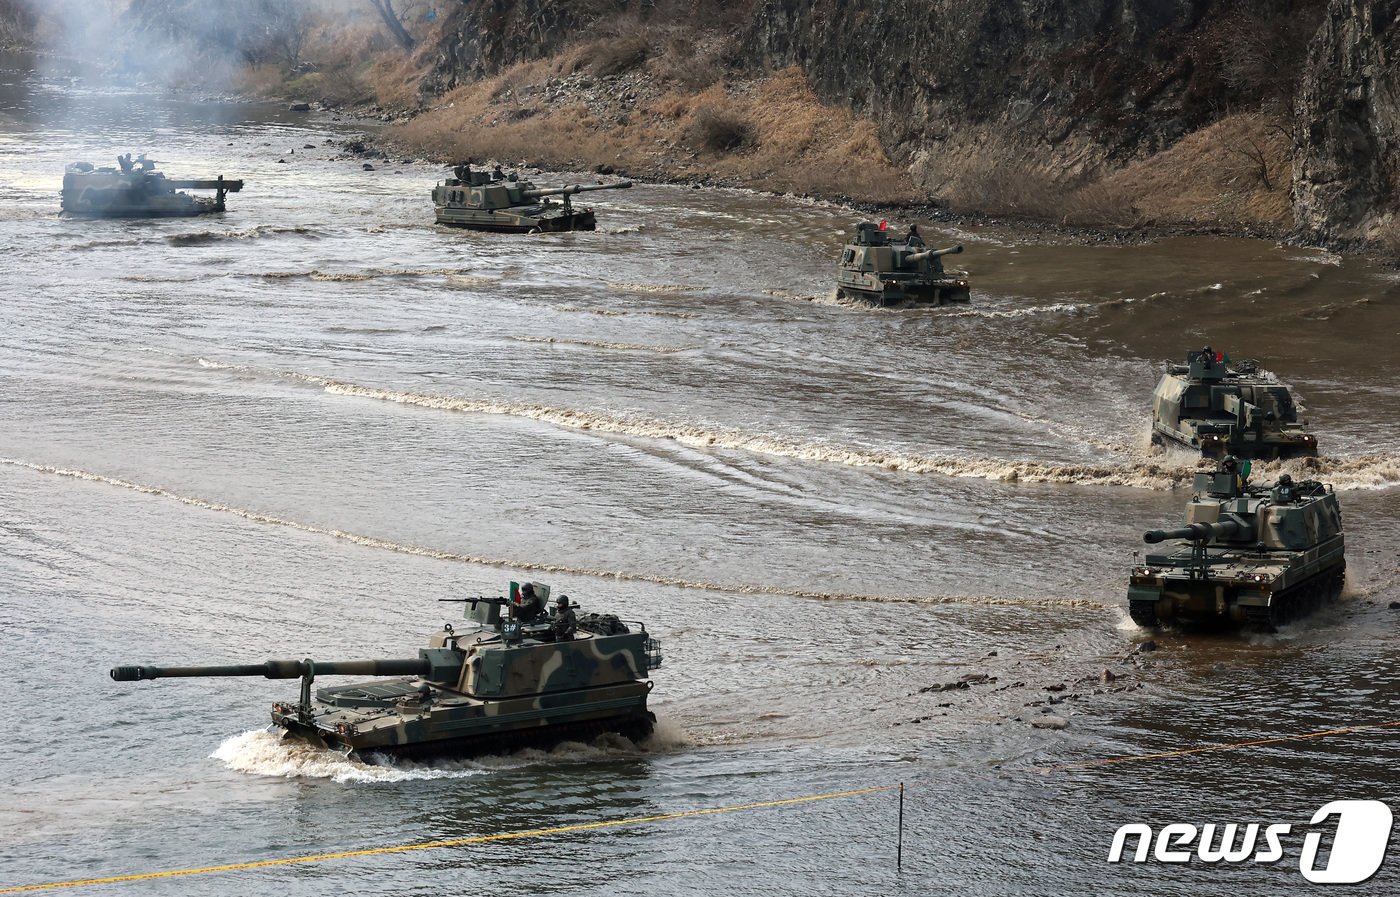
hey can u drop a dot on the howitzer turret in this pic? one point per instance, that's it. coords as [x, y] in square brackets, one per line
[879, 272]
[495, 201]
[1255, 555]
[524, 678]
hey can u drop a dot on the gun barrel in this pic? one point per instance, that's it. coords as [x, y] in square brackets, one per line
[1195, 532]
[571, 189]
[280, 669]
[228, 186]
[933, 253]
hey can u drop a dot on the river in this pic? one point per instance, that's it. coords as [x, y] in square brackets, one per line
[287, 430]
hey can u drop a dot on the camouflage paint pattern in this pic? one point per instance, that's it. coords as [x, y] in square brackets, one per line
[1222, 410]
[882, 273]
[490, 201]
[1255, 555]
[499, 686]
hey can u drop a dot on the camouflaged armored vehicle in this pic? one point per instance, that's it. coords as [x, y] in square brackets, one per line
[881, 273]
[1253, 555]
[134, 189]
[495, 201]
[1224, 408]
[529, 678]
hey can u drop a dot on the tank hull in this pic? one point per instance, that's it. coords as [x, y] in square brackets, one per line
[162, 207]
[457, 726]
[507, 222]
[1280, 447]
[885, 292]
[1232, 600]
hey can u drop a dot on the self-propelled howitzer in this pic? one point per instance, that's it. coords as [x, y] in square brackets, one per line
[882, 272]
[495, 201]
[134, 189]
[526, 679]
[1228, 408]
[1255, 555]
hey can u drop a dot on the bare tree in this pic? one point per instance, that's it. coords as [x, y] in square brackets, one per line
[395, 24]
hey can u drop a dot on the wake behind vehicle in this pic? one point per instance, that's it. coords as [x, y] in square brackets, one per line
[134, 189]
[528, 679]
[1224, 408]
[882, 273]
[495, 201]
[1250, 555]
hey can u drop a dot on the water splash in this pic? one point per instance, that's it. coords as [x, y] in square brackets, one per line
[265, 752]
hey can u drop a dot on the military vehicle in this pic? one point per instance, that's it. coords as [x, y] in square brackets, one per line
[526, 679]
[1228, 408]
[134, 189]
[1257, 556]
[495, 201]
[881, 273]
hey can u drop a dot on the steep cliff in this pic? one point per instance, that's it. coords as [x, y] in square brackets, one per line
[1047, 108]
[1346, 172]
[1046, 94]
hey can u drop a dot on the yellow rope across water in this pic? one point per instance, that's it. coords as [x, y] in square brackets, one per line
[613, 823]
[480, 839]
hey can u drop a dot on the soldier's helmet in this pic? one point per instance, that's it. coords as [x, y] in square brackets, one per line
[563, 601]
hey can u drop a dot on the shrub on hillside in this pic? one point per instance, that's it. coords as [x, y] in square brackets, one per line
[620, 54]
[719, 131]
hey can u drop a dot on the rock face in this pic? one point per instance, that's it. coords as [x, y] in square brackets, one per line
[1348, 124]
[977, 97]
[974, 95]
[479, 39]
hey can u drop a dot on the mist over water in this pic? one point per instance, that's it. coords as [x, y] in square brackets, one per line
[874, 544]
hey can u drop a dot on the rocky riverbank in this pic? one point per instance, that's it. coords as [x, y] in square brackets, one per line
[1144, 116]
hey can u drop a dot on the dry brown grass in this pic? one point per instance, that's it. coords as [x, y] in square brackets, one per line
[717, 129]
[613, 56]
[796, 143]
[1235, 172]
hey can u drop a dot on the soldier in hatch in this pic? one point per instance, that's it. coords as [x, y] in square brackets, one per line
[565, 622]
[528, 606]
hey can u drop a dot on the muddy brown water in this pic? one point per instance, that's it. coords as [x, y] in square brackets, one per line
[821, 510]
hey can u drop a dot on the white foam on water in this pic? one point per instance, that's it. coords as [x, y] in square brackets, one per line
[268, 753]
[600, 344]
[265, 753]
[1071, 308]
[364, 274]
[660, 288]
[1142, 473]
[536, 567]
